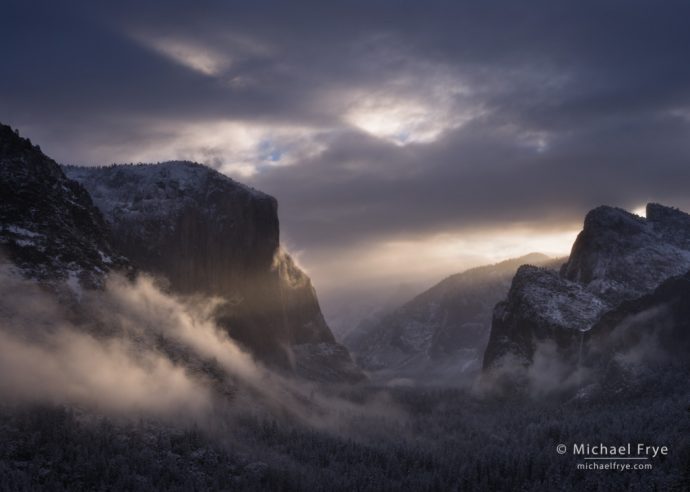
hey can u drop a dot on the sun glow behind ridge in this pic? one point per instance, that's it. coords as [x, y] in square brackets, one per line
[432, 258]
[641, 211]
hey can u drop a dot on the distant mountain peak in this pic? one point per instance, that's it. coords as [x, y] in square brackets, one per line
[620, 255]
[528, 259]
[613, 218]
[442, 331]
[617, 257]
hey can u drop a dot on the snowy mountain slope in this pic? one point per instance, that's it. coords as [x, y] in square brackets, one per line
[620, 256]
[49, 226]
[617, 257]
[444, 328]
[540, 306]
[350, 311]
[57, 257]
[206, 233]
[158, 213]
[656, 325]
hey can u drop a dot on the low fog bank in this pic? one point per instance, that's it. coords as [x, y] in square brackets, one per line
[449, 442]
[135, 389]
[133, 350]
[590, 367]
[593, 365]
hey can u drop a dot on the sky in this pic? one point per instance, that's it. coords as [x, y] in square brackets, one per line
[404, 140]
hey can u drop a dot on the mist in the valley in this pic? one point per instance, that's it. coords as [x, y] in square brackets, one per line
[547, 374]
[158, 369]
[635, 346]
[132, 349]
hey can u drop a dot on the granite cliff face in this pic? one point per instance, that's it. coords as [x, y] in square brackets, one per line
[49, 227]
[620, 256]
[655, 327]
[207, 234]
[617, 260]
[540, 307]
[444, 329]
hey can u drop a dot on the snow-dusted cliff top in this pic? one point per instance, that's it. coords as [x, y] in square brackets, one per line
[155, 189]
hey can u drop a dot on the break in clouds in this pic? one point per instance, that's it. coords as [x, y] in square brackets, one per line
[373, 124]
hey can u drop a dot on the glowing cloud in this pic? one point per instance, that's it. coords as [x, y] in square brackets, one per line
[190, 54]
[237, 148]
[402, 120]
[415, 106]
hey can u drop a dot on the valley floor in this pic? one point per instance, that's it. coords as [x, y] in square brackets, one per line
[433, 439]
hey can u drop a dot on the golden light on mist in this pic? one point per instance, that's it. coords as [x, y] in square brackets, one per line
[432, 258]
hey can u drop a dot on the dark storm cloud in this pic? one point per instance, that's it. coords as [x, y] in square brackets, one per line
[473, 114]
[473, 178]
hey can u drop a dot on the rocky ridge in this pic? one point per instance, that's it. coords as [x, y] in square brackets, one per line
[208, 234]
[49, 227]
[204, 233]
[445, 328]
[617, 260]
